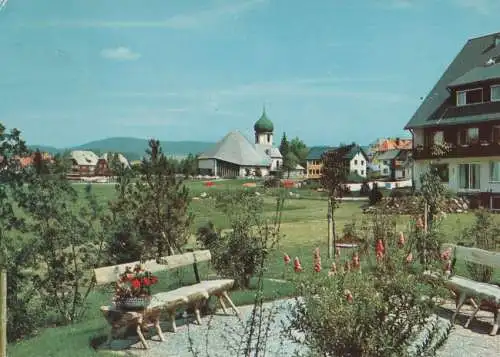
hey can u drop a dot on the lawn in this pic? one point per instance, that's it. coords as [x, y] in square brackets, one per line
[304, 228]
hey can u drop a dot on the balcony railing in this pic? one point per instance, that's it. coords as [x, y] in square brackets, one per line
[480, 149]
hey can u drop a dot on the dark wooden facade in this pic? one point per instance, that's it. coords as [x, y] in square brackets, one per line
[487, 143]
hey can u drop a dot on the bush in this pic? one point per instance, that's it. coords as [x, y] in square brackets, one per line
[484, 234]
[375, 195]
[377, 313]
[365, 189]
[237, 253]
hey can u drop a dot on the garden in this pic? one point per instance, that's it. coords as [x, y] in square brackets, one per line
[273, 244]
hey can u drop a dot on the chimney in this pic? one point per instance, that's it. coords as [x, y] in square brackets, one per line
[398, 142]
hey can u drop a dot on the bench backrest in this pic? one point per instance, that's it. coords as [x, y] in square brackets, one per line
[474, 255]
[111, 274]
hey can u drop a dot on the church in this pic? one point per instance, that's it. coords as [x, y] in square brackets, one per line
[236, 156]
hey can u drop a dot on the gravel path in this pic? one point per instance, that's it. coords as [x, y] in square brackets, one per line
[216, 333]
[474, 341]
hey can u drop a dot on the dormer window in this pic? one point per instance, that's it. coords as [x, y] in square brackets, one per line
[495, 93]
[469, 96]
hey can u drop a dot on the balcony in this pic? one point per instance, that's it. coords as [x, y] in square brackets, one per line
[481, 149]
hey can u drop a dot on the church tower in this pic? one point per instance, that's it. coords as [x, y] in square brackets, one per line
[264, 130]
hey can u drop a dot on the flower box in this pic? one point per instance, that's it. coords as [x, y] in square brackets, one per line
[134, 303]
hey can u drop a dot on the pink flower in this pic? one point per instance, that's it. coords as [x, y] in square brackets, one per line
[286, 259]
[409, 258]
[401, 240]
[348, 296]
[297, 266]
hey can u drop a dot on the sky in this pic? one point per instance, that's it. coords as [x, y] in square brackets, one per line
[327, 71]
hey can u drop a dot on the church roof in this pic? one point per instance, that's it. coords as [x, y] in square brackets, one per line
[237, 149]
[263, 125]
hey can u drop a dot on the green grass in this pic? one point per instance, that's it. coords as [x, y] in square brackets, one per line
[304, 228]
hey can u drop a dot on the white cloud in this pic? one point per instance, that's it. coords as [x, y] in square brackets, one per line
[198, 19]
[120, 54]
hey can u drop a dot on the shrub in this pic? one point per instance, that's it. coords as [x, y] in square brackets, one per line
[484, 234]
[237, 252]
[375, 195]
[365, 189]
[377, 312]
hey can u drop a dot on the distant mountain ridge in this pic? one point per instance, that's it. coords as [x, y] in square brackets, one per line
[132, 148]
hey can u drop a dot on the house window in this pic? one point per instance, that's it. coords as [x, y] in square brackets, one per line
[495, 93]
[386, 171]
[495, 171]
[471, 96]
[355, 162]
[468, 176]
[438, 137]
[468, 136]
[362, 172]
[355, 171]
[442, 171]
[495, 134]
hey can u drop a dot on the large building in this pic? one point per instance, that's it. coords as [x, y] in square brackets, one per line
[462, 114]
[235, 156]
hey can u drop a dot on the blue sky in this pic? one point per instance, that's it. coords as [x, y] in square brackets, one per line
[327, 70]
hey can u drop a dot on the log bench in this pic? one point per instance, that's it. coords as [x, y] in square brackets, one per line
[481, 295]
[192, 296]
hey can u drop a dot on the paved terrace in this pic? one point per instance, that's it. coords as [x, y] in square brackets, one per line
[216, 333]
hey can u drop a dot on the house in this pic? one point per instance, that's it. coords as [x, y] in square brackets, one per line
[103, 163]
[83, 163]
[394, 163]
[461, 115]
[235, 156]
[385, 144]
[28, 160]
[356, 160]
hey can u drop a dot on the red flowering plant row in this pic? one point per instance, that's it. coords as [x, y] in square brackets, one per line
[134, 283]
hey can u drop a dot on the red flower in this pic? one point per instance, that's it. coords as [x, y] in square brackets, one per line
[317, 267]
[286, 259]
[153, 279]
[348, 296]
[136, 283]
[379, 249]
[297, 266]
[146, 281]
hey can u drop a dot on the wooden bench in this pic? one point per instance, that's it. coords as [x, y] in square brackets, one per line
[481, 295]
[188, 296]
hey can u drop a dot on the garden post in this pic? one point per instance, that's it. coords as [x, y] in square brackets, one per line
[330, 236]
[3, 313]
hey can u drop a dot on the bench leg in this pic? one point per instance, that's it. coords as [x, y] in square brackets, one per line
[476, 309]
[141, 336]
[228, 299]
[222, 304]
[460, 302]
[158, 329]
[496, 323]
[197, 313]
[173, 325]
